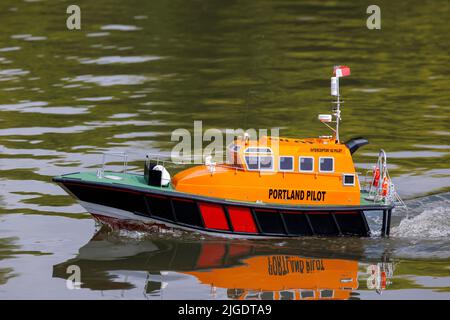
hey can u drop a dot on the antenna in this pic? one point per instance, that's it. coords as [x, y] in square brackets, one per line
[337, 111]
[338, 72]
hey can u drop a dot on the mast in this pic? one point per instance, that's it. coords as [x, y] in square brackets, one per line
[336, 111]
[338, 72]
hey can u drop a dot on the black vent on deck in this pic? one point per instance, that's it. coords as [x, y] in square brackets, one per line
[356, 143]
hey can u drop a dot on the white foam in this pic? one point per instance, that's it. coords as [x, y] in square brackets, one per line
[120, 27]
[431, 223]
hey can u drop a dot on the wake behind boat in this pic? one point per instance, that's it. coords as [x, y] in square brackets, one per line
[273, 187]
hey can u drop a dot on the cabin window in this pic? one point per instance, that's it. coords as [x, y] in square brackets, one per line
[326, 293]
[267, 295]
[287, 295]
[252, 296]
[263, 163]
[286, 163]
[252, 162]
[305, 294]
[348, 179]
[326, 164]
[306, 164]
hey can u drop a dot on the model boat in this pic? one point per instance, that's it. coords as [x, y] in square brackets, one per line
[275, 187]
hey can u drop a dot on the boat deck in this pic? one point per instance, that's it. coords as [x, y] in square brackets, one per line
[138, 181]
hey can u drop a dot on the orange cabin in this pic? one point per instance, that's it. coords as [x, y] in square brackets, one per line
[316, 171]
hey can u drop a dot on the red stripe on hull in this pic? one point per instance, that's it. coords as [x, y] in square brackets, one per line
[242, 219]
[213, 216]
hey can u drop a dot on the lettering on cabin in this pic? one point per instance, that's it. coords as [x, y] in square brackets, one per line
[325, 150]
[283, 265]
[286, 194]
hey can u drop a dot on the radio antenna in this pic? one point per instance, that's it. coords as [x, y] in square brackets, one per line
[338, 72]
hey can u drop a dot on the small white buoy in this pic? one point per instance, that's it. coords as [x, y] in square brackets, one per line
[165, 175]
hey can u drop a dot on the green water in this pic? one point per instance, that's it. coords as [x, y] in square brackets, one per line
[137, 70]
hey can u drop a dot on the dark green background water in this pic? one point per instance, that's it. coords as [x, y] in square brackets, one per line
[140, 69]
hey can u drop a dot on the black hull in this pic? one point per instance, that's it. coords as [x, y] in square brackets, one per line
[192, 212]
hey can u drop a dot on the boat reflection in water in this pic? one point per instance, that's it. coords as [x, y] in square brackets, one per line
[285, 277]
[247, 270]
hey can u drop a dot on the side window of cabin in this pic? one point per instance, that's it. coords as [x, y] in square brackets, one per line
[252, 162]
[326, 164]
[259, 158]
[326, 293]
[348, 179]
[306, 164]
[255, 162]
[305, 294]
[265, 162]
[286, 163]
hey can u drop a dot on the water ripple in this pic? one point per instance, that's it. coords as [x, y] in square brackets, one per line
[41, 107]
[119, 59]
[431, 223]
[106, 81]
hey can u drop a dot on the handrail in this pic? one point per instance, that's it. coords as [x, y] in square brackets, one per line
[123, 155]
[376, 192]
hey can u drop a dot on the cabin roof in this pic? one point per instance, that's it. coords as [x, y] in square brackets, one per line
[294, 146]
